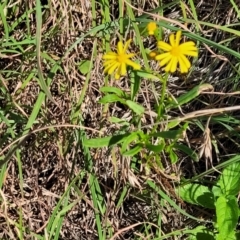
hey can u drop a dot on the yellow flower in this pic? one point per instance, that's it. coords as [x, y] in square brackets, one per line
[151, 27]
[176, 53]
[152, 54]
[119, 61]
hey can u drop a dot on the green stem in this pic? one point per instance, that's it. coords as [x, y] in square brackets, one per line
[161, 107]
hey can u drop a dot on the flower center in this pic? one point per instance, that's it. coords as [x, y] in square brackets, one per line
[176, 51]
[122, 58]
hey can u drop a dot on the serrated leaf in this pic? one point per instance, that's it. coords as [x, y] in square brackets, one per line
[227, 215]
[105, 141]
[84, 66]
[110, 98]
[135, 107]
[197, 194]
[115, 90]
[229, 181]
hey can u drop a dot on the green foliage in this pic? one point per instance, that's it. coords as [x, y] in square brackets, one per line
[222, 198]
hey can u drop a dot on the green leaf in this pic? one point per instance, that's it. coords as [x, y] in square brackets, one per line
[229, 181]
[189, 96]
[133, 151]
[131, 137]
[187, 150]
[115, 90]
[120, 121]
[227, 215]
[155, 148]
[110, 98]
[138, 109]
[201, 233]
[172, 134]
[84, 66]
[105, 141]
[173, 156]
[197, 194]
[135, 84]
[147, 75]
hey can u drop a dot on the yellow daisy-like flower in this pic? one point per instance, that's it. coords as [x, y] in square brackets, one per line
[176, 53]
[151, 27]
[119, 61]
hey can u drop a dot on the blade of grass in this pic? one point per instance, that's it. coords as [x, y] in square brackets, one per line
[38, 51]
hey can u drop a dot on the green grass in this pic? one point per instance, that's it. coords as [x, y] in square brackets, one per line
[86, 156]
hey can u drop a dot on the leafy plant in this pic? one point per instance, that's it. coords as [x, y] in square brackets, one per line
[222, 198]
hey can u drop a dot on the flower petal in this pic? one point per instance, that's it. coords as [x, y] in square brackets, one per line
[185, 61]
[168, 67]
[123, 69]
[178, 37]
[187, 44]
[130, 55]
[109, 62]
[120, 47]
[184, 64]
[190, 53]
[126, 45]
[110, 55]
[162, 56]
[174, 64]
[172, 40]
[134, 65]
[164, 46]
[112, 68]
[165, 60]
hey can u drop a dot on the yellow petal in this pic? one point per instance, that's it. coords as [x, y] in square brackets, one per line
[134, 65]
[185, 61]
[130, 55]
[110, 55]
[178, 37]
[117, 76]
[162, 56]
[190, 53]
[164, 46]
[123, 68]
[151, 27]
[184, 64]
[109, 62]
[118, 73]
[165, 60]
[174, 64]
[126, 45]
[168, 67]
[112, 68]
[172, 40]
[120, 48]
[106, 68]
[187, 44]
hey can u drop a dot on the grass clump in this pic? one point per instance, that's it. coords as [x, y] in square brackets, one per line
[103, 139]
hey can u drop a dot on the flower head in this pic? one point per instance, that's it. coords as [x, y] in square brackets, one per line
[176, 53]
[119, 61]
[151, 27]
